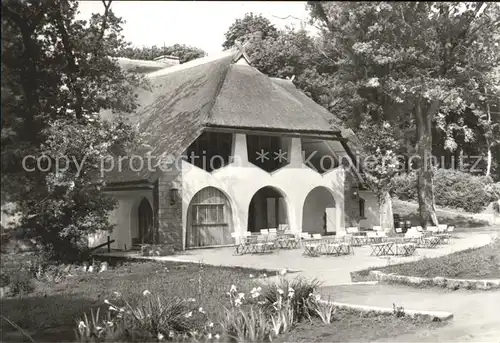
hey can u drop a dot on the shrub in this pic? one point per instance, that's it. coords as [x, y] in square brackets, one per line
[452, 189]
[302, 288]
[21, 283]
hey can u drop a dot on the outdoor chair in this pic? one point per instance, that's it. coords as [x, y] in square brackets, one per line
[398, 230]
[373, 237]
[429, 242]
[377, 228]
[420, 229]
[264, 231]
[238, 242]
[317, 237]
[273, 230]
[312, 248]
[352, 230]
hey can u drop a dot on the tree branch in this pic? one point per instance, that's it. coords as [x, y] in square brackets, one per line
[98, 42]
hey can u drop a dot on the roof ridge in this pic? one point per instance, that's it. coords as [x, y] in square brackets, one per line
[191, 64]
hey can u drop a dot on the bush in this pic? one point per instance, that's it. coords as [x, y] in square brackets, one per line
[452, 189]
[21, 283]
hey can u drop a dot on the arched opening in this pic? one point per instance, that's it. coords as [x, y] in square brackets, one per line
[145, 232]
[319, 214]
[209, 219]
[267, 210]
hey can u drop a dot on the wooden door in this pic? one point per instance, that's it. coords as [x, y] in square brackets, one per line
[145, 222]
[209, 221]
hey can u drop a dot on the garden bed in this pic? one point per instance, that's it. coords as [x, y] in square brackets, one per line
[476, 268]
[476, 263]
[355, 326]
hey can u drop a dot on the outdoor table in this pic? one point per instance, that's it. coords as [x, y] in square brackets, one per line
[405, 249]
[379, 249]
[312, 249]
[287, 241]
[430, 242]
[443, 238]
[358, 241]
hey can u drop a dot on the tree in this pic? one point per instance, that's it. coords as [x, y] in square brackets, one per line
[251, 24]
[412, 61]
[57, 77]
[183, 52]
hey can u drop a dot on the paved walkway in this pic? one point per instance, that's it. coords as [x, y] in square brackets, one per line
[476, 314]
[331, 270]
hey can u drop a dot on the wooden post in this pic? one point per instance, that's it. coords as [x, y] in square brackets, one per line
[109, 244]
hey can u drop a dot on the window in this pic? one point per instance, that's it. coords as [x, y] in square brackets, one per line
[208, 214]
[211, 151]
[362, 207]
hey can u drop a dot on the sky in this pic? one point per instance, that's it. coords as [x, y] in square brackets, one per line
[199, 24]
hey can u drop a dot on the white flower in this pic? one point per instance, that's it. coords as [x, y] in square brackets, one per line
[217, 336]
[209, 336]
[110, 323]
[106, 301]
[117, 294]
[255, 295]
[241, 295]
[99, 328]
[211, 325]
[189, 314]
[146, 292]
[318, 297]
[170, 333]
[264, 275]
[81, 325]
[283, 272]
[233, 289]
[237, 302]
[280, 291]
[112, 308]
[201, 310]
[192, 300]
[160, 336]
[251, 276]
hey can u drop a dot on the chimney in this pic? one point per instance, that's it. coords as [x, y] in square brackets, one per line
[168, 60]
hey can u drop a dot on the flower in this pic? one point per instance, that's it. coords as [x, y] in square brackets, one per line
[251, 276]
[217, 336]
[106, 301]
[209, 336]
[201, 310]
[241, 295]
[110, 324]
[188, 315]
[255, 295]
[237, 302]
[160, 336]
[211, 325]
[117, 294]
[99, 328]
[283, 272]
[318, 297]
[146, 292]
[280, 291]
[112, 308]
[170, 333]
[192, 300]
[81, 325]
[233, 289]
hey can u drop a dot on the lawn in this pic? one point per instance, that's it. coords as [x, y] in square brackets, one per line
[477, 263]
[51, 311]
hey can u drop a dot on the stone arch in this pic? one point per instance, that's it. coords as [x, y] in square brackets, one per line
[268, 208]
[320, 211]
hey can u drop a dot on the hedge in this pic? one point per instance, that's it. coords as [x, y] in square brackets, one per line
[452, 189]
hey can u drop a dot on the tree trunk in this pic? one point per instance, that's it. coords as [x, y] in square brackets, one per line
[385, 209]
[423, 118]
[488, 145]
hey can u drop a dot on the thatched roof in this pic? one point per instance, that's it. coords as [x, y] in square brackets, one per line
[216, 92]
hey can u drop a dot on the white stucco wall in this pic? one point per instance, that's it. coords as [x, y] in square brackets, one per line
[372, 212]
[241, 180]
[125, 218]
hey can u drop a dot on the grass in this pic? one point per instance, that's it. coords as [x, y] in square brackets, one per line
[353, 326]
[50, 312]
[476, 263]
